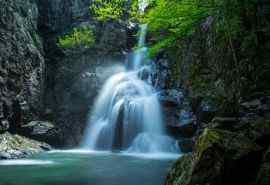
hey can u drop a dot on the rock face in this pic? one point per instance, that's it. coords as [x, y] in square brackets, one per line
[40, 131]
[21, 64]
[74, 77]
[15, 146]
[229, 151]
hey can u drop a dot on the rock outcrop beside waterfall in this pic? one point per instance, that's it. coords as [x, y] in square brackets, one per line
[228, 147]
[16, 146]
[39, 80]
[21, 76]
[74, 77]
[21, 64]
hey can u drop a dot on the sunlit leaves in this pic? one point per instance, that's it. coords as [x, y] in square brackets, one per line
[174, 19]
[83, 36]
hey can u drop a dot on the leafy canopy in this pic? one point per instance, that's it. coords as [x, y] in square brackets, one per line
[105, 10]
[83, 36]
[172, 20]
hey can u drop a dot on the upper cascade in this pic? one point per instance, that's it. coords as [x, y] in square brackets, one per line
[127, 114]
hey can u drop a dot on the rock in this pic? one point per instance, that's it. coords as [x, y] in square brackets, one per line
[38, 127]
[171, 97]
[254, 108]
[258, 131]
[21, 62]
[186, 145]
[252, 104]
[4, 126]
[180, 171]
[4, 155]
[226, 123]
[74, 78]
[185, 130]
[41, 131]
[219, 158]
[16, 146]
[263, 177]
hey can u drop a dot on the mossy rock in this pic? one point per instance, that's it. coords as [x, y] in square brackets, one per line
[180, 172]
[220, 157]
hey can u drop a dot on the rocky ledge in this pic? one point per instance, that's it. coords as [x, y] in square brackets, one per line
[229, 151]
[16, 146]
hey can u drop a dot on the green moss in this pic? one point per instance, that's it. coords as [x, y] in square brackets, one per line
[180, 172]
[209, 138]
[226, 141]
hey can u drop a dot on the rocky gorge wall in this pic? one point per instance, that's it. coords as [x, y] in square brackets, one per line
[73, 77]
[223, 146]
[42, 82]
[21, 64]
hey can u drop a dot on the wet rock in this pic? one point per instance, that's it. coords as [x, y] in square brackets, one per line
[16, 146]
[219, 158]
[171, 97]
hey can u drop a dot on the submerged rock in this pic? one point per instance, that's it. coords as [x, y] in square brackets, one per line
[16, 146]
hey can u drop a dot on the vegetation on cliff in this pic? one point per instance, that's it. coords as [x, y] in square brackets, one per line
[82, 36]
[105, 10]
[228, 43]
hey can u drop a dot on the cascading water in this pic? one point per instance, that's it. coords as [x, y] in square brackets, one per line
[127, 113]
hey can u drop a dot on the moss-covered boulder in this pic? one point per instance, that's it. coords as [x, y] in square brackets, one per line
[257, 130]
[180, 172]
[16, 146]
[220, 157]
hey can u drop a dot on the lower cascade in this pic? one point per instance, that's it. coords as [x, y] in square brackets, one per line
[127, 114]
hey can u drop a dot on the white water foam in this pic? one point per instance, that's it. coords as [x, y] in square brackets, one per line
[25, 162]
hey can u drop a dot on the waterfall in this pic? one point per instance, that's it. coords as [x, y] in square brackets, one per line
[127, 114]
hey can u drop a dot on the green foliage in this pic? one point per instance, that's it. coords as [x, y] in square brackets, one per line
[105, 10]
[229, 55]
[170, 21]
[83, 36]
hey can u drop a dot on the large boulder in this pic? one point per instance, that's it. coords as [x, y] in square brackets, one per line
[16, 146]
[220, 157]
[257, 130]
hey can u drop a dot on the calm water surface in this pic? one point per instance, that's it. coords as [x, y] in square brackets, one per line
[76, 167]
